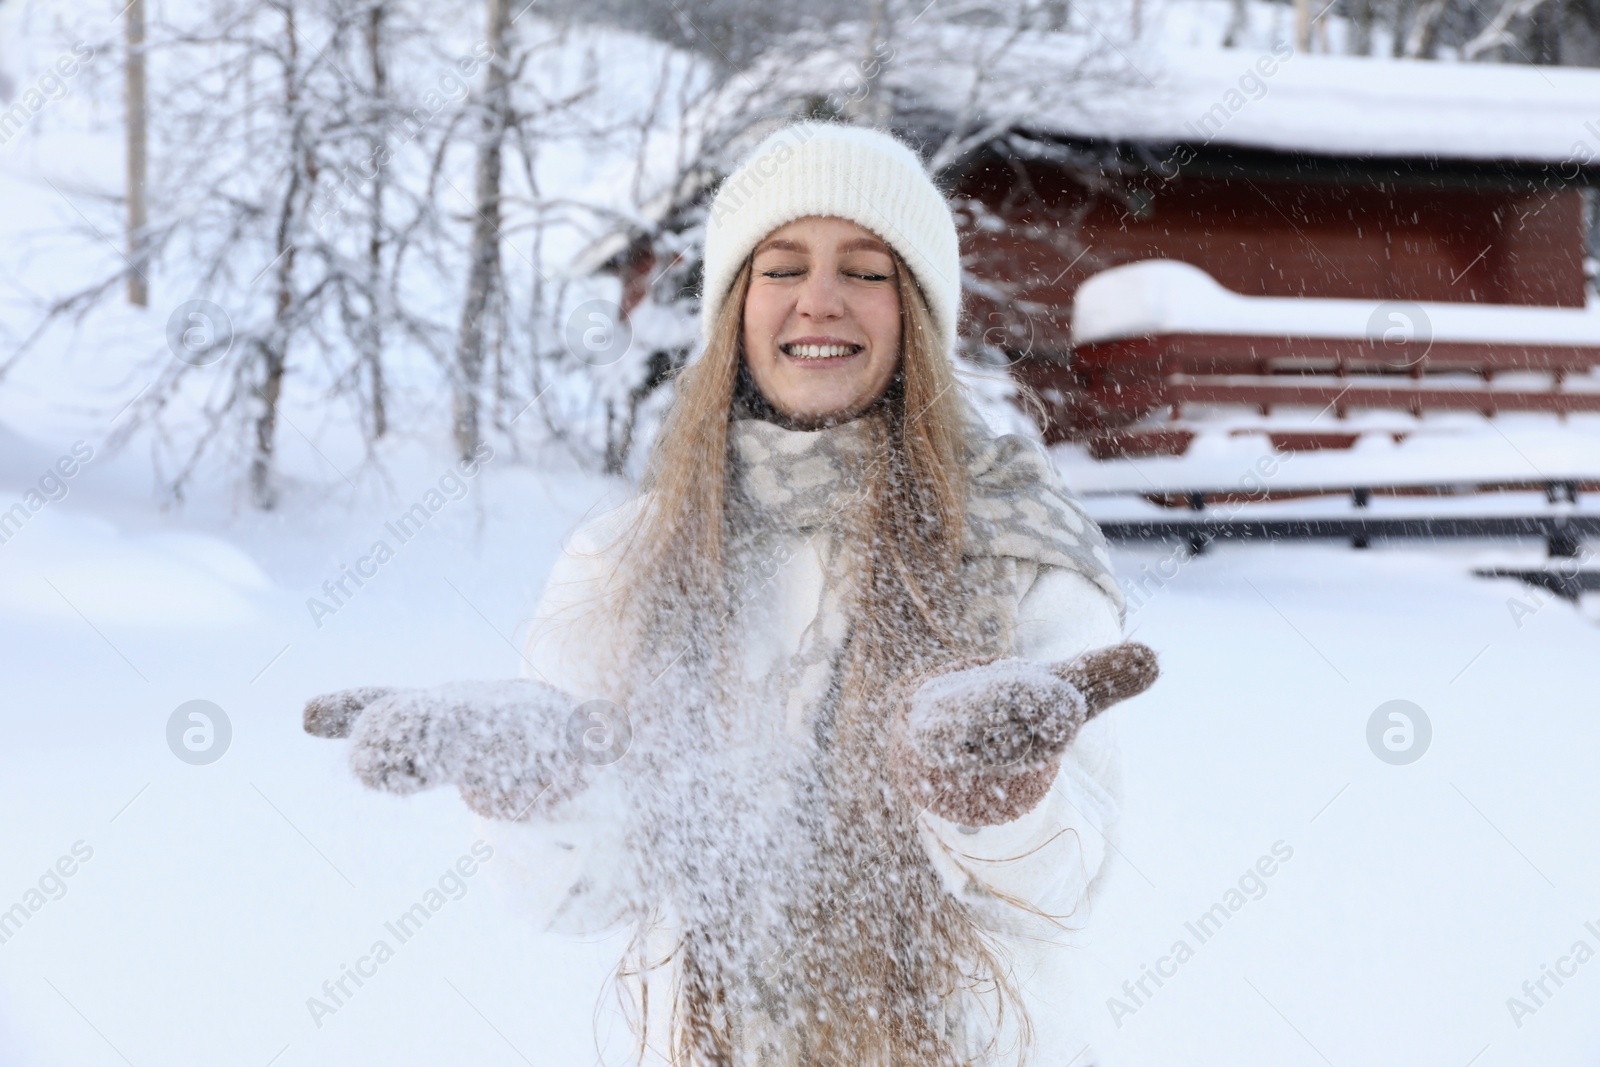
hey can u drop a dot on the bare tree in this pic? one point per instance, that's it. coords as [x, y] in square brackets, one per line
[483, 268]
[1420, 38]
[286, 224]
[272, 346]
[1362, 15]
[1238, 22]
[1497, 34]
[730, 34]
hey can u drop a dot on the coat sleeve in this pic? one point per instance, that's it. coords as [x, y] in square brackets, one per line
[565, 870]
[1048, 859]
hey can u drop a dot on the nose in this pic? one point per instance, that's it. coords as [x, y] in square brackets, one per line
[821, 296]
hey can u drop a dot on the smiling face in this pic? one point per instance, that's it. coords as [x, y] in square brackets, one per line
[822, 320]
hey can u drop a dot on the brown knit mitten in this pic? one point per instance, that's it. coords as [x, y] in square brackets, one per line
[501, 743]
[979, 741]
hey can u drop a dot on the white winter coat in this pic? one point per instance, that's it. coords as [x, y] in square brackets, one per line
[561, 870]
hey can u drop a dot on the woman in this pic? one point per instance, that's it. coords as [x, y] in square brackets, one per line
[807, 713]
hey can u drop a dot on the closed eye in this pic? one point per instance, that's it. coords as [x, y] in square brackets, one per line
[794, 272]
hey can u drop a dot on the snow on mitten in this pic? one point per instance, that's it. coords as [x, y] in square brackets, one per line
[501, 743]
[979, 741]
[332, 714]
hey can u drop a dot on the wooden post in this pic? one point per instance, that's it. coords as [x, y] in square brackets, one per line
[133, 37]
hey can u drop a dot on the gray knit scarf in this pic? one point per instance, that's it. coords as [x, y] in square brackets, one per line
[1020, 516]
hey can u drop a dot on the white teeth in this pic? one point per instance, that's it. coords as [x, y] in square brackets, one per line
[820, 351]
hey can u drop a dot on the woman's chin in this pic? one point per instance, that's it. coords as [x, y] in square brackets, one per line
[813, 411]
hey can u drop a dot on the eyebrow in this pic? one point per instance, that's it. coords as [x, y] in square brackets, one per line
[859, 244]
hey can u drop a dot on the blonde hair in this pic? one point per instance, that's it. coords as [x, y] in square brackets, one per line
[879, 972]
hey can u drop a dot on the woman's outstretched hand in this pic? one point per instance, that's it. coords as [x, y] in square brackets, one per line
[980, 741]
[502, 743]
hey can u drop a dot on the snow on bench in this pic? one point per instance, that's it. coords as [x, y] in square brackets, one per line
[1163, 296]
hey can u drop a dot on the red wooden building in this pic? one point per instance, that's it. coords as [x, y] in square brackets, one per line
[1360, 260]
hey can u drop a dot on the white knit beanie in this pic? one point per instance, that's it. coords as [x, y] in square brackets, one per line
[821, 168]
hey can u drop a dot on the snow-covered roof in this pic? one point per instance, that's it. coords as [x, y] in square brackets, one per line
[1349, 105]
[1084, 86]
[1164, 296]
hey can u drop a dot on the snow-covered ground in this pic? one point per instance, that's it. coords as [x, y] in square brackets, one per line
[218, 899]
